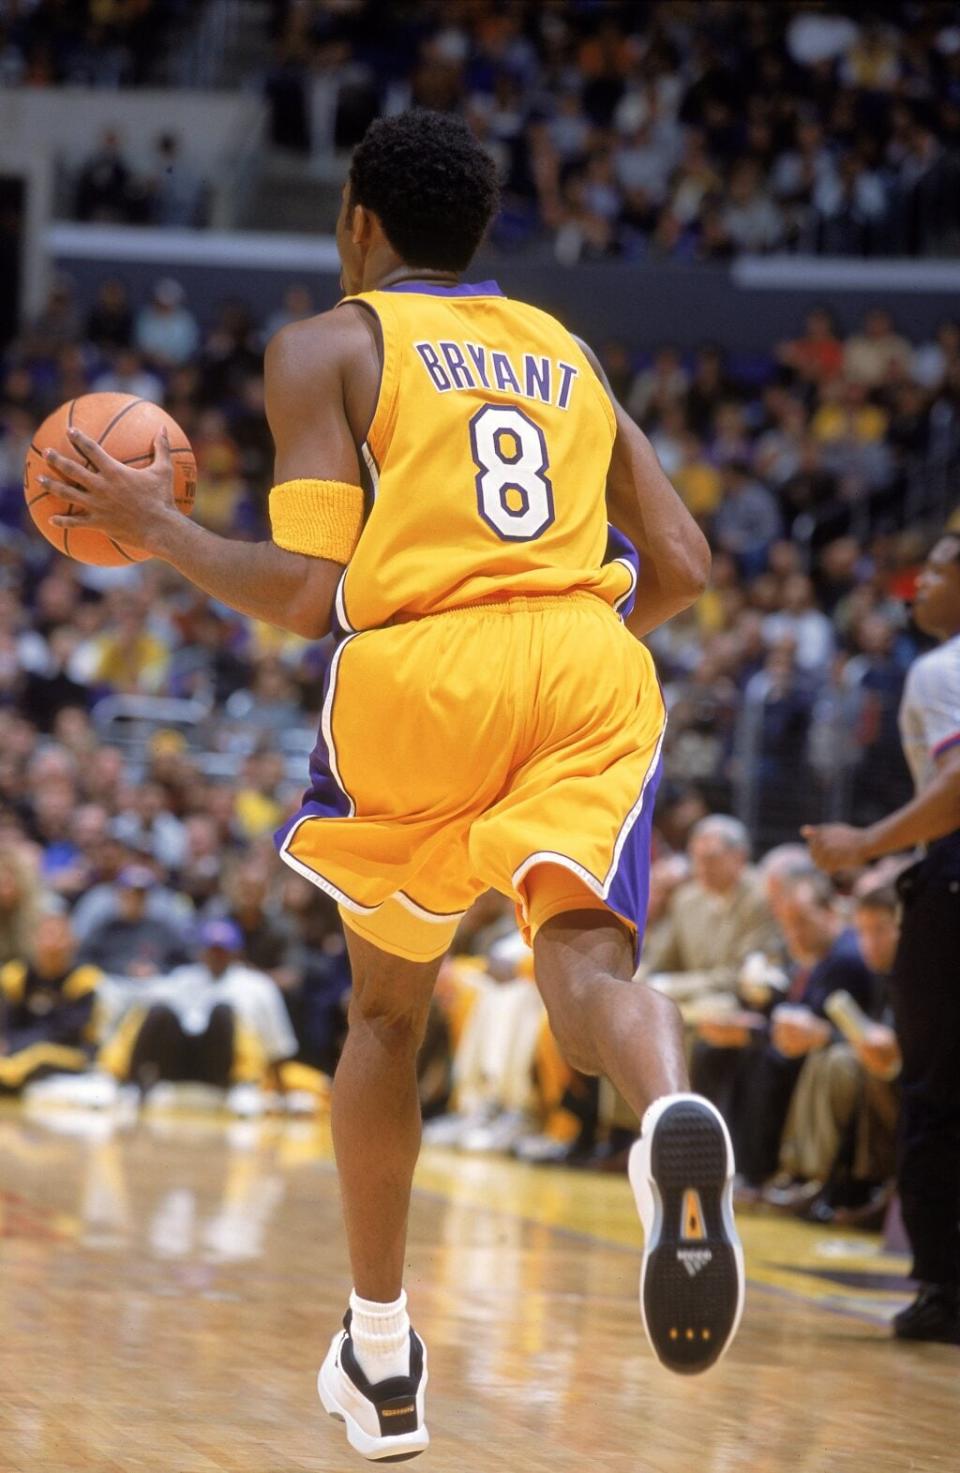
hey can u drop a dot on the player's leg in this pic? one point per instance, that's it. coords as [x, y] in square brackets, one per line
[605, 1023]
[376, 1110]
[375, 1375]
[681, 1168]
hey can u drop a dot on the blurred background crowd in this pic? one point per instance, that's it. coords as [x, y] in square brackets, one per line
[675, 131]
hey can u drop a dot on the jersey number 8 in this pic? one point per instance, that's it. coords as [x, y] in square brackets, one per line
[514, 492]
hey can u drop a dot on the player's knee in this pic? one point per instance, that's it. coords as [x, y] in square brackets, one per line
[398, 1024]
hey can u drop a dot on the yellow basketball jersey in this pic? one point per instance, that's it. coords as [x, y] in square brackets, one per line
[488, 457]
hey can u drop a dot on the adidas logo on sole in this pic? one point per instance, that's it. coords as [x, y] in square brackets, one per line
[694, 1259]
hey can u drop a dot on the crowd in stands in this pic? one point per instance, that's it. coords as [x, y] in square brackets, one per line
[146, 925]
[676, 130]
[83, 43]
[671, 131]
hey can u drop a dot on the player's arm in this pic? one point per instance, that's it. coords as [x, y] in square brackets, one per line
[641, 502]
[305, 407]
[932, 814]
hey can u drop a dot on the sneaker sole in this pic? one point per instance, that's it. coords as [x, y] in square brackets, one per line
[691, 1280]
[398, 1449]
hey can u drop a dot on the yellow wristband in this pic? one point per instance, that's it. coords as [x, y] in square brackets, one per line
[318, 518]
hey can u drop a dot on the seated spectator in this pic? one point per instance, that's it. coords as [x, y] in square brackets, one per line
[803, 623]
[869, 353]
[818, 355]
[165, 330]
[127, 375]
[297, 306]
[130, 941]
[148, 826]
[265, 933]
[749, 1064]
[838, 1152]
[752, 219]
[128, 657]
[46, 1008]
[110, 319]
[316, 990]
[713, 921]
[493, 1061]
[214, 1021]
[658, 387]
[747, 520]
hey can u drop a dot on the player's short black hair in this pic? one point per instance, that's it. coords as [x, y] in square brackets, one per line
[432, 184]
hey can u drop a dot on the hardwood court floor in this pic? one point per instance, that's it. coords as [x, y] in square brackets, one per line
[167, 1292]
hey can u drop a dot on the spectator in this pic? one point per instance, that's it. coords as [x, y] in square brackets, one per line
[176, 193]
[713, 921]
[265, 936]
[752, 220]
[839, 1150]
[818, 355]
[166, 331]
[127, 375]
[130, 942]
[869, 354]
[146, 825]
[214, 1021]
[46, 1008]
[103, 185]
[110, 319]
[747, 521]
[803, 624]
[750, 1070]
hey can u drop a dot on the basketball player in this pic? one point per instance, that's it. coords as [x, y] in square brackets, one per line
[926, 998]
[446, 463]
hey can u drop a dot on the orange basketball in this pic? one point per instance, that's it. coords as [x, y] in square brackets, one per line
[126, 427]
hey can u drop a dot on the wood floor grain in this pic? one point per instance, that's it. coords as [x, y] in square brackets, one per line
[167, 1291]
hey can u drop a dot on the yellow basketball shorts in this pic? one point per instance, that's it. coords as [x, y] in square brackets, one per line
[464, 750]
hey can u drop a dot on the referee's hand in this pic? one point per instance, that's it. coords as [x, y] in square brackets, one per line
[835, 846]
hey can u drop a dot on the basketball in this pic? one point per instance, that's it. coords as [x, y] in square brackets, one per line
[126, 428]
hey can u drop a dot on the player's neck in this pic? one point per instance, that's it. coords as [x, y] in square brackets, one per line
[402, 273]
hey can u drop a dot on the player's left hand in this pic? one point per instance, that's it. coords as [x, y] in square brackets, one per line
[835, 846]
[110, 497]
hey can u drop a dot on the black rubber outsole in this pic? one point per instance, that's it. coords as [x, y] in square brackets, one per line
[691, 1286]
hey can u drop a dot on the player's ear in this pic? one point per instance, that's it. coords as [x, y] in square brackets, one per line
[360, 226]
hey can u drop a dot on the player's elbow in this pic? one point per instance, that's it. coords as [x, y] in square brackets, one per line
[690, 566]
[308, 621]
[308, 607]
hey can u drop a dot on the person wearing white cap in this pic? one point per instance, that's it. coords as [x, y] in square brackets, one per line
[166, 331]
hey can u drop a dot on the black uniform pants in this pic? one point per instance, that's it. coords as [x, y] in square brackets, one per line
[926, 1001]
[164, 1051]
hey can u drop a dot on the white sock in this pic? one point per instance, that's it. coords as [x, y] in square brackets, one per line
[381, 1336]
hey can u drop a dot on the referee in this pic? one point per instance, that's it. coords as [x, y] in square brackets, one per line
[926, 974]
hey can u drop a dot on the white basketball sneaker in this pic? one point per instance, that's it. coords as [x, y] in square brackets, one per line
[691, 1280]
[384, 1420]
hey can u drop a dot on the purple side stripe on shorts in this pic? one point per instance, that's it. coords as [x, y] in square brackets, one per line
[629, 892]
[324, 798]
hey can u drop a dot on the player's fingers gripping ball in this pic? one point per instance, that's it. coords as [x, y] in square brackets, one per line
[96, 468]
